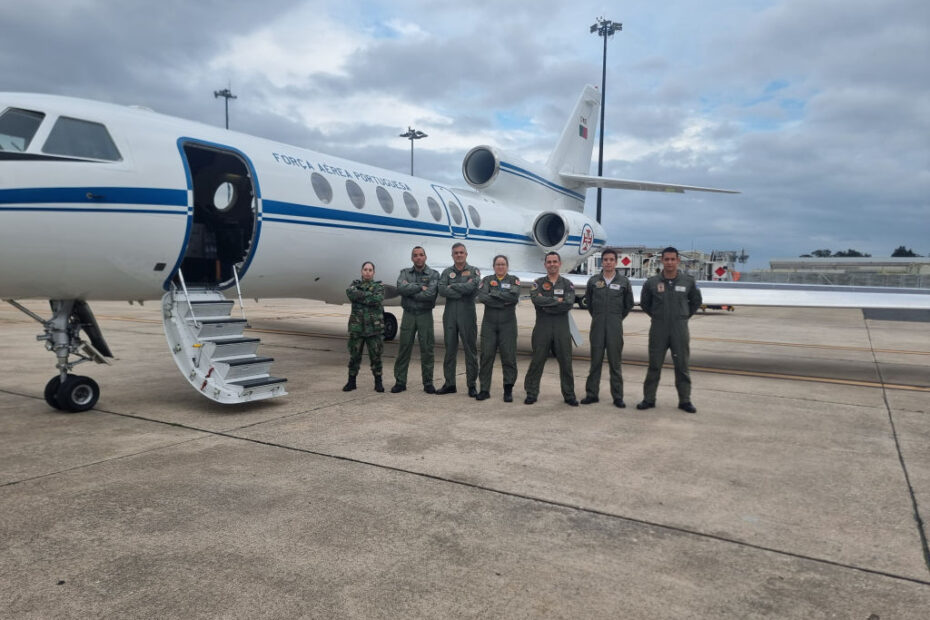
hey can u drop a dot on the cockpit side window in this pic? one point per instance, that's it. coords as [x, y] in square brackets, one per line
[78, 138]
[17, 128]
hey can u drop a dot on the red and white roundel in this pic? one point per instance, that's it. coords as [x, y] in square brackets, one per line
[587, 239]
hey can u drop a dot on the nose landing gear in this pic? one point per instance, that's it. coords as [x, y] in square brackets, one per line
[67, 392]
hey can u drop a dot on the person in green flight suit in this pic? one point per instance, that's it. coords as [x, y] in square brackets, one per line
[553, 297]
[366, 325]
[670, 299]
[500, 293]
[459, 285]
[610, 299]
[417, 286]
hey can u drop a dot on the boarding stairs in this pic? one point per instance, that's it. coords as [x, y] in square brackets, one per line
[208, 346]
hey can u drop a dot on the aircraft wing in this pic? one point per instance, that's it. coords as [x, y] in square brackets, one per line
[807, 295]
[776, 294]
[646, 186]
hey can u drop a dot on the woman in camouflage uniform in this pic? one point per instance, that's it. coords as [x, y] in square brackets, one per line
[366, 325]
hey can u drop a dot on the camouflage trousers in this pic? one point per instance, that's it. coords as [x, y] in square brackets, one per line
[375, 346]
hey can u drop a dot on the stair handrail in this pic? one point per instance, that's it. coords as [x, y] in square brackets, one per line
[239, 292]
[187, 297]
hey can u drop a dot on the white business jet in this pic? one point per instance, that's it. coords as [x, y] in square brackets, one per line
[107, 202]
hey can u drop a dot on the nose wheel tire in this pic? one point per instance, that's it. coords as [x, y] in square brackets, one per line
[390, 326]
[51, 392]
[75, 393]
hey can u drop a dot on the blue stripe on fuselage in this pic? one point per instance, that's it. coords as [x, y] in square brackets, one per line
[535, 178]
[95, 195]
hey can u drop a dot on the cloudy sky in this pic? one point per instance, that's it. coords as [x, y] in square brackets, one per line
[817, 110]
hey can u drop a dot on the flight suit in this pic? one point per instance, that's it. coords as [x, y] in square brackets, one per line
[418, 307]
[459, 320]
[499, 327]
[551, 332]
[670, 303]
[608, 304]
[366, 324]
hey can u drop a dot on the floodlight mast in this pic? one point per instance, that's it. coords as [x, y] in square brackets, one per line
[412, 134]
[604, 28]
[227, 95]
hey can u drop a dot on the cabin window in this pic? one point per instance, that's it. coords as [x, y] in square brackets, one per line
[76, 138]
[17, 128]
[475, 218]
[456, 213]
[322, 188]
[411, 203]
[384, 197]
[434, 209]
[356, 195]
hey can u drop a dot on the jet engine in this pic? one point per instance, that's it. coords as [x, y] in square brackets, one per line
[554, 230]
[509, 178]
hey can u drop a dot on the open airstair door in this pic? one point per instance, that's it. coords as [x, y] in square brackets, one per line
[207, 343]
[225, 223]
[210, 350]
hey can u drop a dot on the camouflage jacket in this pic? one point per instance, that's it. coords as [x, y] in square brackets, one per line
[367, 318]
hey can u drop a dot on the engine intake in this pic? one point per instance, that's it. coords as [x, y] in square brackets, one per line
[481, 166]
[553, 230]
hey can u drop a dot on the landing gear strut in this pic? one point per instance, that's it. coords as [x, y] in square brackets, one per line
[67, 392]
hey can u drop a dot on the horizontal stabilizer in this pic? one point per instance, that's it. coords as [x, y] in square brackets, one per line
[585, 180]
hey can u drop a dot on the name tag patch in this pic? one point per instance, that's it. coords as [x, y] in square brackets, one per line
[559, 291]
[505, 285]
[615, 287]
[680, 289]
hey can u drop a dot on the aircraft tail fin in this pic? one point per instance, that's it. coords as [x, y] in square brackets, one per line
[572, 154]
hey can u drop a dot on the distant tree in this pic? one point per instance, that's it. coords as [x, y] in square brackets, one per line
[805, 256]
[821, 253]
[851, 253]
[902, 251]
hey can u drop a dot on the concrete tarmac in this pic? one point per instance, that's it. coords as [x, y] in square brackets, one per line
[801, 489]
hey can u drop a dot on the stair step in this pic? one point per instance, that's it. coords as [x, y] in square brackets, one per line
[246, 360]
[254, 383]
[218, 320]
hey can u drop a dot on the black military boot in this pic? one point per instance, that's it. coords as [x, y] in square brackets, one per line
[508, 393]
[350, 384]
[379, 387]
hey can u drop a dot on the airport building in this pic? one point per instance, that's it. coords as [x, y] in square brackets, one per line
[642, 262]
[907, 272]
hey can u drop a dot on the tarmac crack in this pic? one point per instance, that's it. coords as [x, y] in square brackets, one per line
[921, 529]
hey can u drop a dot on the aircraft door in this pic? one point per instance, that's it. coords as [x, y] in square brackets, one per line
[224, 223]
[455, 212]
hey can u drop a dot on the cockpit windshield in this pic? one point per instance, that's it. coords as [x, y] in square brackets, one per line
[78, 138]
[17, 128]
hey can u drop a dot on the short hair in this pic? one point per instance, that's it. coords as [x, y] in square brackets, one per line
[459, 244]
[415, 248]
[556, 254]
[368, 262]
[609, 251]
[506, 260]
[670, 250]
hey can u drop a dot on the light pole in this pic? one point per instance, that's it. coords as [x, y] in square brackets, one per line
[412, 134]
[604, 28]
[227, 95]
